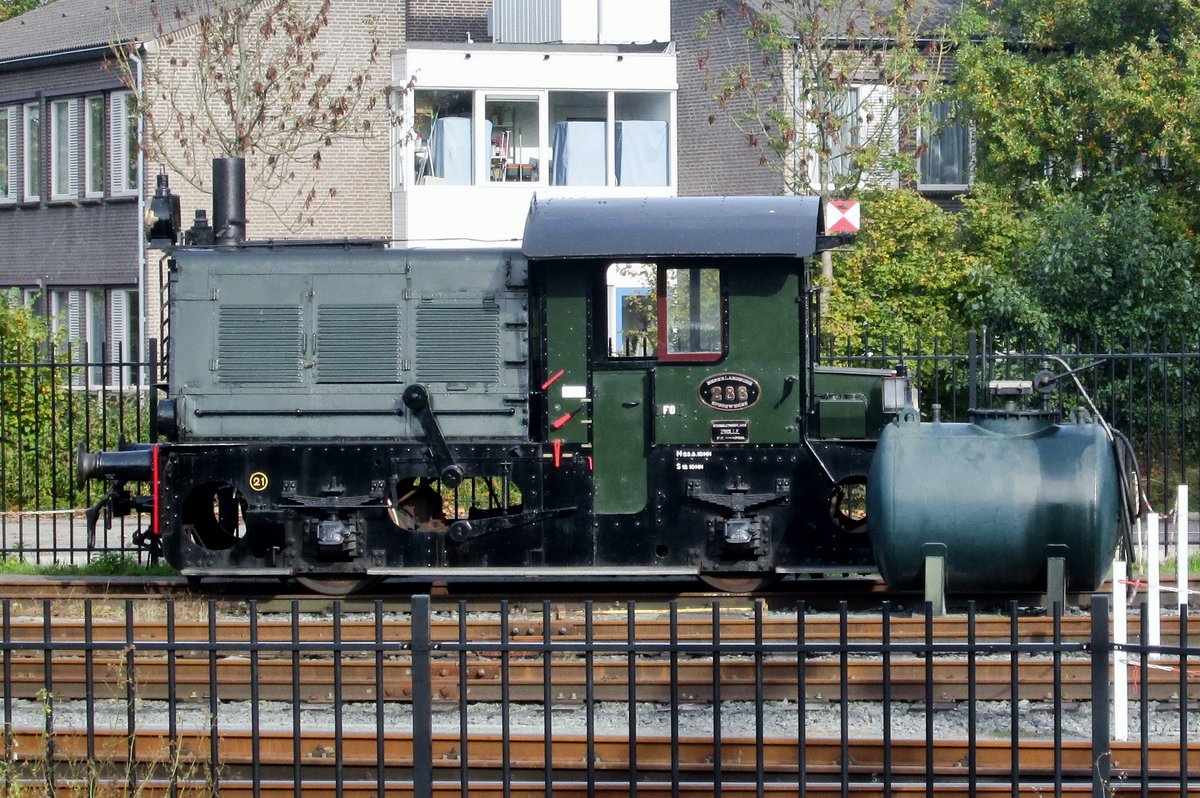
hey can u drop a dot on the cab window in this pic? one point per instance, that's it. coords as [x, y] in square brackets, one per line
[663, 313]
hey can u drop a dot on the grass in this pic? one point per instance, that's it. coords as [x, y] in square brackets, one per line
[104, 564]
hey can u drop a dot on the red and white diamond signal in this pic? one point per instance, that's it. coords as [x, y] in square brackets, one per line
[841, 216]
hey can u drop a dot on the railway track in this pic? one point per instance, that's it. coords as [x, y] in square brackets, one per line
[863, 592]
[276, 679]
[198, 622]
[529, 764]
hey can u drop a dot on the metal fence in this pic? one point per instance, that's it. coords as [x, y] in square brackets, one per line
[49, 404]
[412, 698]
[52, 401]
[1146, 389]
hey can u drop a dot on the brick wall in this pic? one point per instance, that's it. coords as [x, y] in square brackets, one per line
[352, 183]
[714, 158]
[448, 20]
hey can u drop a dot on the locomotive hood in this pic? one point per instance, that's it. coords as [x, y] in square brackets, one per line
[788, 226]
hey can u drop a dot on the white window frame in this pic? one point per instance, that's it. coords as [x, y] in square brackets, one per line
[9, 187]
[64, 149]
[968, 166]
[32, 164]
[89, 164]
[406, 167]
[124, 167]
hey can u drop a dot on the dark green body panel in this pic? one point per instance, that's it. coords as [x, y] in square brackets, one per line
[763, 343]
[567, 319]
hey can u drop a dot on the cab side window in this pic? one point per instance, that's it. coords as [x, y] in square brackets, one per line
[663, 313]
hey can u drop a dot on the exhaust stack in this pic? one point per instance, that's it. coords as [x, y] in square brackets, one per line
[229, 201]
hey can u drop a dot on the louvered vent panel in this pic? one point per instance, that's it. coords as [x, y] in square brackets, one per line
[458, 342]
[358, 343]
[259, 344]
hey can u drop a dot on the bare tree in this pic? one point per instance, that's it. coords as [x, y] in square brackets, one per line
[835, 85]
[258, 80]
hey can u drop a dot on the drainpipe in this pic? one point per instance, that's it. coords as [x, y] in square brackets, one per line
[141, 216]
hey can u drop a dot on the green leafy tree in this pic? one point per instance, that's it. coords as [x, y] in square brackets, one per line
[1115, 265]
[1071, 95]
[904, 279]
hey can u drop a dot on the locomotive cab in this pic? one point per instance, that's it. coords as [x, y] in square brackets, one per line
[676, 361]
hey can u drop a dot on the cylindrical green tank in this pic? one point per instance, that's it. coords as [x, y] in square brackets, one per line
[1000, 494]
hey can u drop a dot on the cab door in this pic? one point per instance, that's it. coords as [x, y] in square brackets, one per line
[619, 404]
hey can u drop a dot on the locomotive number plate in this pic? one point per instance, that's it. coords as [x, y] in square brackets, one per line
[731, 432]
[729, 392]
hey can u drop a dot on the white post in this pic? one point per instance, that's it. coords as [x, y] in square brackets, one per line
[1120, 669]
[1153, 588]
[1182, 550]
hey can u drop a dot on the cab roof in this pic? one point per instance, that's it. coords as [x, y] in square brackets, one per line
[787, 226]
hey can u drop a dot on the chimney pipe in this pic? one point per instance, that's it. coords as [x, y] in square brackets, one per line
[229, 201]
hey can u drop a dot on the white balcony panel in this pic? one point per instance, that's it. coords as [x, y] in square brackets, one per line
[581, 21]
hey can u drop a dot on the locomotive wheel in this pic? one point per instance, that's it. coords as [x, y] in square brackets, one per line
[337, 585]
[739, 584]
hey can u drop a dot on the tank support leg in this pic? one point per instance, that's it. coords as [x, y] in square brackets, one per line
[935, 576]
[1056, 576]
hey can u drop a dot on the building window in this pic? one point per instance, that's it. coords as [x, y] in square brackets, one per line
[101, 328]
[94, 146]
[8, 154]
[444, 138]
[866, 123]
[33, 152]
[560, 138]
[946, 156]
[641, 139]
[64, 157]
[512, 126]
[591, 129]
[664, 313]
[123, 128]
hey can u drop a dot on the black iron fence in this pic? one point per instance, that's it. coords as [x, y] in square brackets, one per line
[413, 698]
[52, 401]
[1146, 389]
[50, 404]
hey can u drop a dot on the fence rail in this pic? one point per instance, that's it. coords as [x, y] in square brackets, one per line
[744, 715]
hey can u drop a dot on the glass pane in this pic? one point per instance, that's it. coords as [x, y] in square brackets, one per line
[512, 129]
[578, 138]
[131, 146]
[844, 140]
[632, 310]
[97, 328]
[693, 311]
[95, 145]
[33, 151]
[61, 160]
[443, 125]
[641, 147]
[946, 158]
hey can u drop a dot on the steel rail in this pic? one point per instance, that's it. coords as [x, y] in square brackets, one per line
[275, 679]
[653, 625]
[188, 752]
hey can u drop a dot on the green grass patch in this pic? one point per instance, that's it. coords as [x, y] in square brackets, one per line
[104, 564]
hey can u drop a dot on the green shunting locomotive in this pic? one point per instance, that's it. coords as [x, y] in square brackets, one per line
[631, 392]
